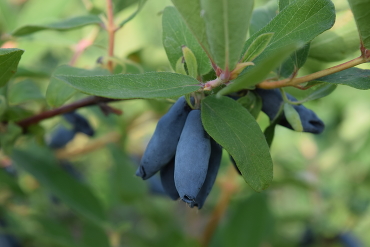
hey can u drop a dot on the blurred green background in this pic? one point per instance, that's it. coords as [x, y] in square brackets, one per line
[321, 185]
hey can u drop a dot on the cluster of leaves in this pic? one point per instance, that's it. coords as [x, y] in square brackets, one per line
[216, 38]
[205, 41]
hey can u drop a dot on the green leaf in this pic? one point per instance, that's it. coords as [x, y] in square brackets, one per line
[318, 91]
[190, 11]
[262, 16]
[9, 137]
[58, 92]
[41, 163]
[3, 105]
[191, 62]
[360, 9]
[180, 66]
[15, 113]
[29, 72]
[337, 43]
[283, 4]
[294, 62]
[292, 117]
[23, 91]
[175, 35]
[93, 236]
[252, 102]
[54, 232]
[132, 16]
[257, 47]
[9, 59]
[6, 180]
[236, 130]
[147, 85]
[260, 71]
[68, 24]
[353, 77]
[269, 132]
[301, 21]
[227, 24]
[125, 186]
[249, 223]
[119, 5]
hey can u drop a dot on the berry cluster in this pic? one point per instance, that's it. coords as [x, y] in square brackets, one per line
[187, 158]
[271, 102]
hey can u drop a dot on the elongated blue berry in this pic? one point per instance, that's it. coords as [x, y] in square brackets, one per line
[80, 123]
[162, 146]
[60, 137]
[192, 158]
[271, 101]
[168, 180]
[213, 166]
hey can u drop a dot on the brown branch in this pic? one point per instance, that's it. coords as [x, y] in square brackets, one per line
[92, 100]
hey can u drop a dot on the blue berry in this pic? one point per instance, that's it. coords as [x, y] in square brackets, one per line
[60, 137]
[162, 146]
[79, 123]
[168, 180]
[271, 101]
[213, 167]
[192, 158]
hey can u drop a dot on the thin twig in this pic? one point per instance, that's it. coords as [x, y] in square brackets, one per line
[92, 100]
[296, 81]
[111, 29]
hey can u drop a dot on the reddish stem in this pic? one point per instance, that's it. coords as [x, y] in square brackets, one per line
[63, 109]
[111, 29]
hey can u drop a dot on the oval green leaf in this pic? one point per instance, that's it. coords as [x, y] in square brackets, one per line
[148, 85]
[175, 35]
[236, 130]
[227, 23]
[301, 21]
[353, 77]
[360, 9]
[9, 59]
